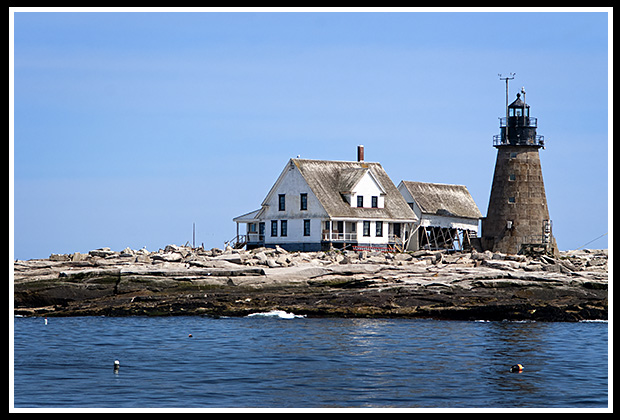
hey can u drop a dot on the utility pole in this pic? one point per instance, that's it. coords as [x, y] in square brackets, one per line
[194, 235]
[507, 78]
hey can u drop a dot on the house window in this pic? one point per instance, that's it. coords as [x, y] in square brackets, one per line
[283, 227]
[378, 228]
[303, 201]
[274, 228]
[281, 202]
[396, 229]
[512, 177]
[306, 227]
[360, 201]
[366, 228]
[511, 199]
[375, 201]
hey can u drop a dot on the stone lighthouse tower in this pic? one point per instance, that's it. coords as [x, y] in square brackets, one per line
[518, 217]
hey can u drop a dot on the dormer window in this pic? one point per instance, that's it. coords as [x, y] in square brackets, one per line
[354, 184]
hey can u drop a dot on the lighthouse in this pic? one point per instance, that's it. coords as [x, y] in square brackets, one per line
[517, 220]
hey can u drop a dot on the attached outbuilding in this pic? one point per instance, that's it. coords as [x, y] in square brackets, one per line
[448, 215]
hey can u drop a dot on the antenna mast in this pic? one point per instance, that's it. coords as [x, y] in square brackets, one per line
[507, 78]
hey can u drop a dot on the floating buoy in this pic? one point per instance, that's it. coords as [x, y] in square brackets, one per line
[190, 335]
[45, 320]
[117, 365]
[517, 368]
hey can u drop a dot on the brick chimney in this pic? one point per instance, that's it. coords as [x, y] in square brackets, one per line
[360, 153]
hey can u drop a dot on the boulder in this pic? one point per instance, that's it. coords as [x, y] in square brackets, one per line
[283, 261]
[102, 252]
[127, 252]
[280, 250]
[235, 258]
[171, 248]
[172, 257]
[403, 257]
[261, 258]
[143, 258]
[76, 256]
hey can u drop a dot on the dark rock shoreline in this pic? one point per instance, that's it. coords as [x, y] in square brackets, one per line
[184, 281]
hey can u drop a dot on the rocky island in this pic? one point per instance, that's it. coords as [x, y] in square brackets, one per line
[181, 280]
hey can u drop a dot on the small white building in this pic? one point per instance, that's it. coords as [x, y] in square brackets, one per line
[448, 215]
[322, 204]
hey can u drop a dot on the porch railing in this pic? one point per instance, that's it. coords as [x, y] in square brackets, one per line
[337, 236]
[352, 237]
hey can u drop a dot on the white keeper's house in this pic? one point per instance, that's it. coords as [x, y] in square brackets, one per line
[321, 204]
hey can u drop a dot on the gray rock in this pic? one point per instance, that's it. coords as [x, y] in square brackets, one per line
[403, 257]
[280, 250]
[102, 252]
[172, 257]
[76, 256]
[261, 257]
[127, 252]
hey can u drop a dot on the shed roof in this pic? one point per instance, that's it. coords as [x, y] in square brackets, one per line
[247, 217]
[443, 199]
[330, 179]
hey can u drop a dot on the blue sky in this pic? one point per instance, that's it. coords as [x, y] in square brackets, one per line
[129, 127]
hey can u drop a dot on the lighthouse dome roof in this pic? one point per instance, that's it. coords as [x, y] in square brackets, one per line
[518, 103]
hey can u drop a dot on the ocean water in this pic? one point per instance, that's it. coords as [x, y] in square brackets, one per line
[278, 360]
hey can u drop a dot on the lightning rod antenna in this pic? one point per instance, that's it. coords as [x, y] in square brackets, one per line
[506, 78]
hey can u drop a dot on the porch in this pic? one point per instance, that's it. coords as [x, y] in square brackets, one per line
[255, 231]
[379, 235]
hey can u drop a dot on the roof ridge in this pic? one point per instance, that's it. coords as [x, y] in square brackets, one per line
[436, 183]
[336, 161]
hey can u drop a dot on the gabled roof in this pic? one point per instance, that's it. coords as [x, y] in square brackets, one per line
[443, 199]
[329, 180]
[349, 178]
